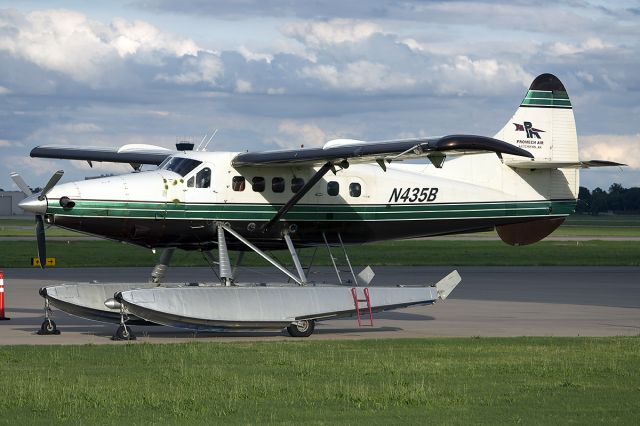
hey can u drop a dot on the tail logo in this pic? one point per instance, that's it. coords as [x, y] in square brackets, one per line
[528, 127]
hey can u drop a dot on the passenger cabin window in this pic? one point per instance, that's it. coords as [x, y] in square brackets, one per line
[257, 184]
[180, 165]
[296, 184]
[203, 178]
[333, 188]
[237, 184]
[355, 189]
[277, 184]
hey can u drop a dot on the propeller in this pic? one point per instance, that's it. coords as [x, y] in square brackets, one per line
[36, 203]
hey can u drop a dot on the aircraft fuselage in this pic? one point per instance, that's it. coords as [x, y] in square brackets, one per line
[179, 205]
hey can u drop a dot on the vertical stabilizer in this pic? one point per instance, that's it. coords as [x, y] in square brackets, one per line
[544, 123]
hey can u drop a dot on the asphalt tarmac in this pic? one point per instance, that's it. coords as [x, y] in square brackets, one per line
[490, 301]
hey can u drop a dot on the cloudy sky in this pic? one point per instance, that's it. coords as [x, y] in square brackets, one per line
[281, 73]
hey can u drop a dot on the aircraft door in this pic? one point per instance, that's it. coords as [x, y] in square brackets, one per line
[199, 191]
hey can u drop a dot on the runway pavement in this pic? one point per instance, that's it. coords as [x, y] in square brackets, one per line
[490, 301]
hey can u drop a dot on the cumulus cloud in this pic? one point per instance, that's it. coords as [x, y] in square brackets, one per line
[250, 55]
[295, 134]
[464, 75]
[80, 128]
[204, 68]
[326, 33]
[589, 45]
[87, 51]
[243, 86]
[38, 167]
[129, 38]
[619, 148]
[361, 76]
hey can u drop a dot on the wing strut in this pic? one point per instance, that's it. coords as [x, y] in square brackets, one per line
[298, 195]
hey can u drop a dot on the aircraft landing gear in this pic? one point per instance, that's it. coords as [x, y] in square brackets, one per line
[303, 328]
[48, 327]
[123, 332]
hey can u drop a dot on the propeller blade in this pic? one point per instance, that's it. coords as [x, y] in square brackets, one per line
[21, 184]
[52, 182]
[42, 244]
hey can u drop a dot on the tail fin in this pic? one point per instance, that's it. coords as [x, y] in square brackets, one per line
[544, 123]
[544, 126]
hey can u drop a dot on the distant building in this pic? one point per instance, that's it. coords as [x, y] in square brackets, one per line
[9, 203]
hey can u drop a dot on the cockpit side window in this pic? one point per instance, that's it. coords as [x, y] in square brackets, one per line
[181, 165]
[203, 178]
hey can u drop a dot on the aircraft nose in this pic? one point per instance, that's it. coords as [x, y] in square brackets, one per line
[33, 205]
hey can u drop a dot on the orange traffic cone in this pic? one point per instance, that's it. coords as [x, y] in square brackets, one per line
[2, 317]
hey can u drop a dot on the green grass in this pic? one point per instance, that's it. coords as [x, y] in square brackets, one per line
[600, 226]
[434, 381]
[26, 228]
[603, 220]
[395, 253]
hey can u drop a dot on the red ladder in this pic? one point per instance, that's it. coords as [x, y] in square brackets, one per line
[356, 302]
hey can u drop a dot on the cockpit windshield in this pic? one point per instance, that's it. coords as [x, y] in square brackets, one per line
[180, 165]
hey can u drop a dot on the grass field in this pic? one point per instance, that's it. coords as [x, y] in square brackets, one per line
[395, 253]
[435, 381]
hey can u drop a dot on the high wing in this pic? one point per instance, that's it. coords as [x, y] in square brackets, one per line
[134, 154]
[380, 151]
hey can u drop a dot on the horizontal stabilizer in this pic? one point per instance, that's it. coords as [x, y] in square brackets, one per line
[533, 164]
[446, 285]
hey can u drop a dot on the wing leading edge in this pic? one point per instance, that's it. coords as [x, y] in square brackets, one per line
[361, 152]
[132, 154]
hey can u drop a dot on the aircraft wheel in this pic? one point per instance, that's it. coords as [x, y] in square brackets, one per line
[123, 333]
[302, 328]
[48, 327]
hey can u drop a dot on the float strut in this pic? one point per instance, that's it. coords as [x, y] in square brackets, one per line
[226, 274]
[261, 254]
[161, 268]
[294, 256]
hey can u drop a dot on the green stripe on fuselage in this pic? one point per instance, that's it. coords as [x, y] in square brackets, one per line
[323, 212]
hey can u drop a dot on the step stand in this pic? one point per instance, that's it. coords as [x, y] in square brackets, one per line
[357, 301]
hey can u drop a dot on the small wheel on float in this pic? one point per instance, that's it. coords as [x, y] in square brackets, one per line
[123, 333]
[303, 328]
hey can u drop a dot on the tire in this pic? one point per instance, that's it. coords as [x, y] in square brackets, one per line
[302, 328]
[48, 328]
[124, 333]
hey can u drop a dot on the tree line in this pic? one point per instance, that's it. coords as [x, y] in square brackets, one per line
[618, 199]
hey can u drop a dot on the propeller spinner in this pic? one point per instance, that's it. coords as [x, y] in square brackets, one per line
[37, 203]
